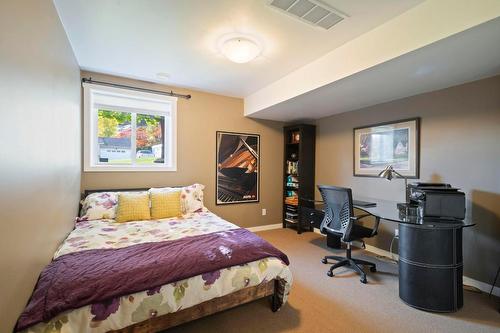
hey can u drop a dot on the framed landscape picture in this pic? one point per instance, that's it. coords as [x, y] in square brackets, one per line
[393, 143]
[238, 168]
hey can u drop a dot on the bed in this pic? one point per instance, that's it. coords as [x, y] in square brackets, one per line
[147, 276]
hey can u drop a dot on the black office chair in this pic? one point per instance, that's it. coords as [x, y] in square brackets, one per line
[340, 221]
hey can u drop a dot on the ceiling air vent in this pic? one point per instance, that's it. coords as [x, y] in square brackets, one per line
[310, 11]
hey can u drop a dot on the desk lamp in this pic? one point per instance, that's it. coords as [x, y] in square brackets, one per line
[389, 173]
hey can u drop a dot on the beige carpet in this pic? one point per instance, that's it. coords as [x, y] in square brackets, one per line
[319, 303]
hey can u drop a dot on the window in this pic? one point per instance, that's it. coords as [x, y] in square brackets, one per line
[126, 130]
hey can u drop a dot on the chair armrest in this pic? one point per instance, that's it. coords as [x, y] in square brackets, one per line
[375, 226]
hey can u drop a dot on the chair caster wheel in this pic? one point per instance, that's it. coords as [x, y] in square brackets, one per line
[330, 274]
[324, 261]
[363, 280]
[373, 269]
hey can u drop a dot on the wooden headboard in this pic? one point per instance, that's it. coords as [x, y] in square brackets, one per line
[87, 192]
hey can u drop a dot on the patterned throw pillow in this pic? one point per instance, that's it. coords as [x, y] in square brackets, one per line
[132, 207]
[99, 205]
[165, 204]
[192, 198]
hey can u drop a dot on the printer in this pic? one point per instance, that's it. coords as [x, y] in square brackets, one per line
[436, 200]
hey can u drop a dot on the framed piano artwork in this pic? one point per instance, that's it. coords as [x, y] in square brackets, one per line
[238, 168]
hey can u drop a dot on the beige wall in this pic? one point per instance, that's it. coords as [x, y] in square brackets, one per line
[39, 146]
[197, 121]
[460, 130]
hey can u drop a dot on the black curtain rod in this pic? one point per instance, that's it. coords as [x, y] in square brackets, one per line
[171, 93]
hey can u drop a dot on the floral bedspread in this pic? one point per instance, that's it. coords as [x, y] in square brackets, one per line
[106, 234]
[127, 310]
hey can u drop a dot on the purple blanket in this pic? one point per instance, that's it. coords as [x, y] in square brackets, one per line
[87, 277]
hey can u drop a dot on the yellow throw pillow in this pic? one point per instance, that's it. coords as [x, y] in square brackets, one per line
[132, 207]
[165, 204]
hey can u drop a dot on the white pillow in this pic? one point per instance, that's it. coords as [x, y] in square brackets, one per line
[99, 205]
[192, 198]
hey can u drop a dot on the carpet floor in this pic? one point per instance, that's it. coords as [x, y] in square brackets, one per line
[319, 303]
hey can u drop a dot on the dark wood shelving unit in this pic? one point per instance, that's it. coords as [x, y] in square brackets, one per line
[298, 167]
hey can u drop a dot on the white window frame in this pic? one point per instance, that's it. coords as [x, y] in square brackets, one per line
[90, 135]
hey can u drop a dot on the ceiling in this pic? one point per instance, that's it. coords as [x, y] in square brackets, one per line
[139, 39]
[467, 56]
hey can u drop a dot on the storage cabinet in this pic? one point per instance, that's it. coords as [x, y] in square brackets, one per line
[431, 267]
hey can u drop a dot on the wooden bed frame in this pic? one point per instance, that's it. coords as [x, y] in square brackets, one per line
[246, 295]
[156, 324]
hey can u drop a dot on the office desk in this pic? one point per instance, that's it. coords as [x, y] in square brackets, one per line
[430, 257]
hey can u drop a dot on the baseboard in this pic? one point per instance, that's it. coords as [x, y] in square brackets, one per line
[266, 227]
[316, 230]
[483, 286]
[380, 252]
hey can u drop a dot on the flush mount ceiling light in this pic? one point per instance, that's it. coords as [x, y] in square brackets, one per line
[239, 48]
